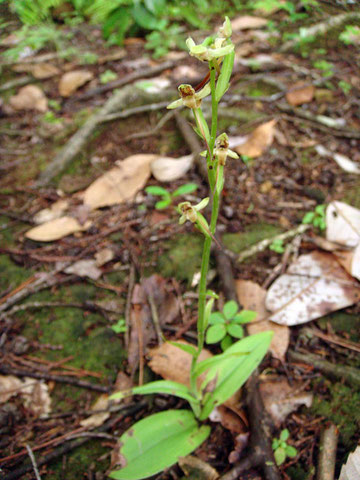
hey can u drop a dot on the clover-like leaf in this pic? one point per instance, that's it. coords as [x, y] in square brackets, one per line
[185, 189]
[226, 342]
[290, 451]
[216, 317]
[280, 456]
[235, 330]
[245, 316]
[284, 435]
[215, 333]
[230, 309]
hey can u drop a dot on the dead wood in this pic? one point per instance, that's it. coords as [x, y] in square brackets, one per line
[260, 428]
[322, 27]
[327, 453]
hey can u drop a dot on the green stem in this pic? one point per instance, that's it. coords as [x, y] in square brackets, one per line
[214, 108]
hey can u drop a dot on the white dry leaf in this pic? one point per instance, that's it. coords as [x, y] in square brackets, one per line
[97, 419]
[30, 97]
[351, 469]
[36, 397]
[194, 467]
[166, 169]
[104, 256]
[9, 386]
[252, 297]
[121, 183]
[56, 229]
[280, 399]
[343, 224]
[344, 162]
[258, 141]
[314, 285]
[84, 268]
[246, 22]
[71, 81]
[153, 85]
[55, 211]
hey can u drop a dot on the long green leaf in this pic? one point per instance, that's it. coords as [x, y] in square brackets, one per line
[157, 442]
[166, 387]
[231, 372]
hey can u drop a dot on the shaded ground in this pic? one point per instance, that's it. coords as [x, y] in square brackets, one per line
[263, 197]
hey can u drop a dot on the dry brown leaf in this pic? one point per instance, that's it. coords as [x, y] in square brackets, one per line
[193, 467]
[300, 93]
[246, 22]
[30, 97]
[104, 256]
[55, 211]
[44, 70]
[314, 285]
[121, 183]
[34, 392]
[252, 297]
[9, 386]
[85, 268]
[55, 229]
[280, 399]
[166, 169]
[258, 141]
[71, 81]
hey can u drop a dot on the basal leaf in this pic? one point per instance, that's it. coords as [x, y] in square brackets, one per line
[166, 387]
[232, 372]
[157, 442]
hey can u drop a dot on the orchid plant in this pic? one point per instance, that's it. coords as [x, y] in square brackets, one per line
[157, 442]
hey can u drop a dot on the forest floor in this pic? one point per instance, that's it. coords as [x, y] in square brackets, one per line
[61, 321]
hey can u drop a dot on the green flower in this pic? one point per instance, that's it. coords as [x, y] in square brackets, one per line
[190, 212]
[207, 53]
[222, 150]
[190, 98]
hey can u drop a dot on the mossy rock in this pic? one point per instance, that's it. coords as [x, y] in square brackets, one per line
[237, 242]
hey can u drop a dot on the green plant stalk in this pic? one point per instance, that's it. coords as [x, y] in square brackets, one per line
[201, 327]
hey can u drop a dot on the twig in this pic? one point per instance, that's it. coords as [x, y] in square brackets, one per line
[126, 79]
[153, 131]
[322, 27]
[17, 82]
[261, 246]
[340, 372]
[151, 107]
[55, 378]
[128, 305]
[33, 461]
[155, 318]
[327, 453]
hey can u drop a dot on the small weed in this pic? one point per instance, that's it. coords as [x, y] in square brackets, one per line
[281, 449]
[317, 218]
[227, 324]
[345, 87]
[88, 58]
[350, 35]
[167, 197]
[163, 41]
[277, 246]
[108, 76]
[119, 327]
[246, 159]
[327, 68]
[50, 117]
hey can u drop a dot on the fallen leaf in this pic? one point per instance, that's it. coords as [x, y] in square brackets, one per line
[121, 183]
[44, 70]
[104, 256]
[166, 169]
[252, 297]
[246, 22]
[258, 141]
[343, 224]
[280, 399]
[55, 211]
[351, 469]
[55, 229]
[71, 81]
[153, 85]
[172, 363]
[300, 93]
[9, 386]
[84, 268]
[193, 467]
[314, 285]
[350, 260]
[344, 162]
[30, 97]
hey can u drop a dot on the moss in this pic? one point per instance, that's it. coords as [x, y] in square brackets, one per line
[10, 274]
[253, 234]
[352, 196]
[297, 472]
[343, 323]
[182, 258]
[342, 408]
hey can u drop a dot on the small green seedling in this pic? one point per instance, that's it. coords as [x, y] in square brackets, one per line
[277, 246]
[326, 68]
[281, 449]
[167, 197]
[108, 76]
[317, 218]
[120, 326]
[227, 324]
[345, 87]
[350, 35]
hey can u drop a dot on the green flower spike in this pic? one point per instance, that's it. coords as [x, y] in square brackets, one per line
[190, 98]
[225, 31]
[206, 54]
[190, 212]
[222, 149]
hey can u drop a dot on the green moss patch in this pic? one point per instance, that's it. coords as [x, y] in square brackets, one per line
[237, 242]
